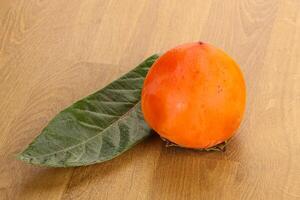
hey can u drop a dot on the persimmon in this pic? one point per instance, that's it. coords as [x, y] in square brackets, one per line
[194, 95]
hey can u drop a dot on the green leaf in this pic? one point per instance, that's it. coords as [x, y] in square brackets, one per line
[96, 128]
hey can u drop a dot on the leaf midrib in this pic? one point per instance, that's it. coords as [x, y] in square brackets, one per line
[86, 141]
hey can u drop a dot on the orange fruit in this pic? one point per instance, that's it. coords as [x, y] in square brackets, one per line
[194, 96]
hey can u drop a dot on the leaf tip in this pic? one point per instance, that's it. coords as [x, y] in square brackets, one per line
[23, 157]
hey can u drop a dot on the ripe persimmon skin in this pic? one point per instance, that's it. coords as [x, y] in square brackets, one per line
[194, 95]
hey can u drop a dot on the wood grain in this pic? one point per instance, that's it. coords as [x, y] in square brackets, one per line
[52, 53]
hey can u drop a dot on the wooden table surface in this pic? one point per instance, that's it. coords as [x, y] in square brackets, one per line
[53, 53]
